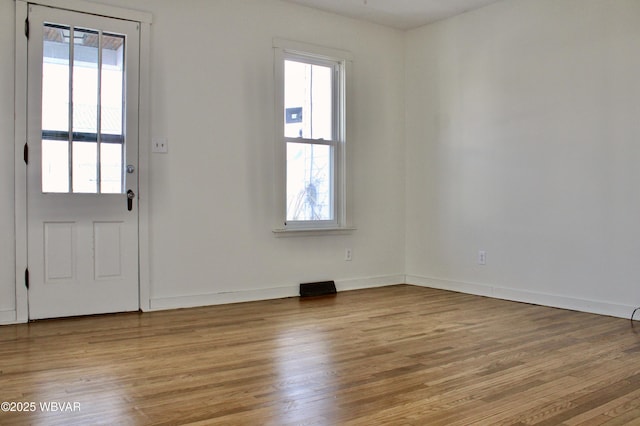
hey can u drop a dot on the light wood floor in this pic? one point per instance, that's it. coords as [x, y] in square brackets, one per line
[399, 355]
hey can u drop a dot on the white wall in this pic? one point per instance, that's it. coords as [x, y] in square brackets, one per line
[523, 139]
[211, 199]
[7, 235]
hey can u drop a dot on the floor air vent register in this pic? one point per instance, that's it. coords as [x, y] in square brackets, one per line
[321, 288]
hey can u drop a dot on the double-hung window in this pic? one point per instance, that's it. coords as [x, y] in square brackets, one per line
[310, 136]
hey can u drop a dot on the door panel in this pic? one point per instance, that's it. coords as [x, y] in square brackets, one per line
[59, 252]
[82, 133]
[108, 257]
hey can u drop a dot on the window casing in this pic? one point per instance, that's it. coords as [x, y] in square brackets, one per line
[310, 136]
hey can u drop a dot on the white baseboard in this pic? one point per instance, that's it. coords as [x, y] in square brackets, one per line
[178, 302]
[370, 282]
[7, 317]
[525, 296]
[208, 299]
[516, 295]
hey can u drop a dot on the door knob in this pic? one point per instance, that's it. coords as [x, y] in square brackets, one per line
[130, 196]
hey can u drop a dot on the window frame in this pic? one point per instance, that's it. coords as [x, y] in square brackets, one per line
[340, 62]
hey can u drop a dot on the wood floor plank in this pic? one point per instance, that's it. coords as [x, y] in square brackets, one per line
[394, 355]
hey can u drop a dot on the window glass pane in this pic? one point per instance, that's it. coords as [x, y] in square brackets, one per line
[111, 168]
[309, 182]
[308, 101]
[85, 176]
[55, 166]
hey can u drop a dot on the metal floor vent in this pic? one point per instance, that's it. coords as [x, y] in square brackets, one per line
[321, 288]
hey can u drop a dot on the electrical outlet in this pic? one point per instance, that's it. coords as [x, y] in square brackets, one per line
[482, 257]
[160, 145]
[348, 255]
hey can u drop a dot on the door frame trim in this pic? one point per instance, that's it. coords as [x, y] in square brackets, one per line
[144, 19]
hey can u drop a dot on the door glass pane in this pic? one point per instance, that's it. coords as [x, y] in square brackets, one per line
[55, 166]
[84, 167]
[309, 182]
[55, 110]
[85, 82]
[308, 101]
[85, 110]
[55, 80]
[95, 117]
[111, 168]
[112, 83]
[111, 117]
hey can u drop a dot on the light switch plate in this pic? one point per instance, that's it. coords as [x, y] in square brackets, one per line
[160, 145]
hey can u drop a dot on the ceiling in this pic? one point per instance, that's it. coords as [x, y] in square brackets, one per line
[401, 14]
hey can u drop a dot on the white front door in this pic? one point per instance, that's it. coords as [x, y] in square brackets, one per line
[82, 177]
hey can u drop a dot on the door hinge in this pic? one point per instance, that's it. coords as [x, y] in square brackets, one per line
[26, 28]
[26, 153]
[26, 278]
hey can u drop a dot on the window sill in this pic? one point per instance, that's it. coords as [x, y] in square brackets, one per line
[310, 232]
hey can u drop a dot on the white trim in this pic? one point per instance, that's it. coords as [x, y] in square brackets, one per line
[20, 169]
[7, 317]
[210, 299]
[341, 174]
[95, 9]
[144, 143]
[525, 296]
[309, 232]
[280, 174]
[369, 282]
[308, 48]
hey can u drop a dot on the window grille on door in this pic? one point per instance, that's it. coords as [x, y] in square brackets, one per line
[83, 126]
